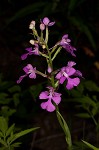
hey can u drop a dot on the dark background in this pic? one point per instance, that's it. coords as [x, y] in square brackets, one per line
[77, 18]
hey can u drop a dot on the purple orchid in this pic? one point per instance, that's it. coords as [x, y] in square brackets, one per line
[46, 22]
[31, 51]
[65, 43]
[51, 95]
[66, 73]
[29, 70]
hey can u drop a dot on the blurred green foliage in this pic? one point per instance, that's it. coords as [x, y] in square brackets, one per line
[85, 99]
[75, 17]
[8, 136]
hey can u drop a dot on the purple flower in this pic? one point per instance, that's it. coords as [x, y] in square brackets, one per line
[65, 43]
[65, 73]
[29, 70]
[31, 51]
[46, 22]
[51, 95]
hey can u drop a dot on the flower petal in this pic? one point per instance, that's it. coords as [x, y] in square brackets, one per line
[48, 106]
[29, 49]
[78, 73]
[71, 63]
[56, 98]
[24, 56]
[62, 79]
[58, 76]
[72, 82]
[70, 71]
[21, 78]
[51, 23]
[43, 95]
[46, 21]
[32, 75]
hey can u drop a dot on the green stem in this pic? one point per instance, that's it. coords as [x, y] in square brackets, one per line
[58, 50]
[51, 65]
[61, 120]
[44, 55]
[40, 73]
[46, 37]
[53, 49]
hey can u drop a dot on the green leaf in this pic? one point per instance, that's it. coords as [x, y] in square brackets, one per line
[26, 11]
[83, 28]
[4, 85]
[1, 134]
[3, 142]
[95, 110]
[18, 135]
[16, 99]
[66, 130]
[3, 96]
[84, 100]
[8, 132]
[3, 125]
[6, 111]
[15, 88]
[17, 144]
[91, 86]
[35, 90]
[80, 88]
[91, 146]
[75, 93]
[73, 3]
[83, 115]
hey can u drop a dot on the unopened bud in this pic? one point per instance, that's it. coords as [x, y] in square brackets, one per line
[32, 42]
[49, 69]
[42, 26]
[32, 25]
[43, 46]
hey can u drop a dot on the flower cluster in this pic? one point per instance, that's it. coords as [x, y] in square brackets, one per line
[67, 74]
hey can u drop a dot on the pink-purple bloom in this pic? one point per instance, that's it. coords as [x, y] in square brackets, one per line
[65, 43]
[29, 71]
[52, 96]
[67, 73]
[31, 51]
[46, 22]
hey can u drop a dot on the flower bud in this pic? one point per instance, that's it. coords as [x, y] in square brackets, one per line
[49, 69]
[42, 26]
[32, 42]
[32, 25]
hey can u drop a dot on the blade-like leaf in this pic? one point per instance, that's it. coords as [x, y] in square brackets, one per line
[3, 142]
[15, 88]
[17, 144]
[10, 130]
[83, 28]
[66, 130]
[91, 86]
[1, 134]
[83, 115]
[18, 135]
[83, 100]
[3, 125]
[91, 146]
[26, 11]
